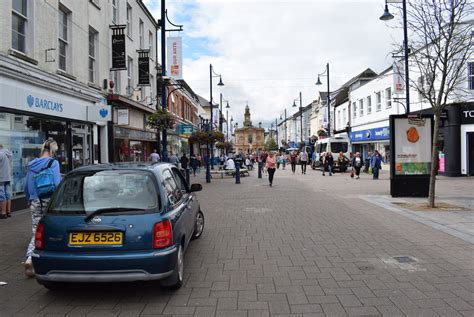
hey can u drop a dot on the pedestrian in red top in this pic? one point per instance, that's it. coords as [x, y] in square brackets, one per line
[293, 160]
[270, 164]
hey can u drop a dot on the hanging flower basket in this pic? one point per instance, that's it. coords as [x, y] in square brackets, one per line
[161, 119]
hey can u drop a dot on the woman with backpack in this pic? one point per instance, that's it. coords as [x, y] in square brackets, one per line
[42, 178]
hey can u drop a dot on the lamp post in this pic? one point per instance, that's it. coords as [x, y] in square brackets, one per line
[386, 16]
[227, 120]
[211, 75]
[276, 130]
[301, 115]
[286, 136]
[326, 73]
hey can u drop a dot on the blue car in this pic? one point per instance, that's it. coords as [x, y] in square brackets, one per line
[118, 223]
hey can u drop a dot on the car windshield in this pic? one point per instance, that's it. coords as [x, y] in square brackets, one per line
[337, 147]
[123, 190]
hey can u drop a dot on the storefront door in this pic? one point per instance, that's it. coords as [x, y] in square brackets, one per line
[470, 153]
[81, 149]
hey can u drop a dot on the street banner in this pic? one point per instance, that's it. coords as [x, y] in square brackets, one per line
[119, 56]
[215, 116]
[413, 146]
[143, 68]
[398, 78]
[175, 57]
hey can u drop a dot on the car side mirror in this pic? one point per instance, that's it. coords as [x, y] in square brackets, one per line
[195, 188]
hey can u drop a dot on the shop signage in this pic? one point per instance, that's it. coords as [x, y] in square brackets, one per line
[99, 113]
[374, 134]
[175, 57]
[123, 133]
[467, 115]
[119, 56]
[143, 68]
[412, 146]
[185, 130]
[30, 98]
[123, 117]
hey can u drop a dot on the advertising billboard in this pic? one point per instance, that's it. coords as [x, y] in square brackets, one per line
[413, 145]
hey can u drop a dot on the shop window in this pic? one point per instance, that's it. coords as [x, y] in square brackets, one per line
[24, 136]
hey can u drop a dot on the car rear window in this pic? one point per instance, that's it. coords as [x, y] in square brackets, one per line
[86, 193]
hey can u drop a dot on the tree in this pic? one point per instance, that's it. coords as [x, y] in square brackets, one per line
[271, 145]
[441, 45]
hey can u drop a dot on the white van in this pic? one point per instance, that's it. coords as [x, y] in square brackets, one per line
[333, 144]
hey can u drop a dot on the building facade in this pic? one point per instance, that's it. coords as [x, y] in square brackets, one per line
[52, 62]
[249, 139]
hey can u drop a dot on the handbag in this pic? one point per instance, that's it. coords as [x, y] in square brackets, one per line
[370, 171]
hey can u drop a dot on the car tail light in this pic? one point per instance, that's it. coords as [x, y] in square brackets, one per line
[39, 237]
[162, 235]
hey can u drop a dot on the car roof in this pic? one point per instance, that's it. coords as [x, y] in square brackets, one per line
[145, 166]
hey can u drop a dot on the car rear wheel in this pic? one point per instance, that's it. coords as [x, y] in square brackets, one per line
[175, 281]
[198, 226]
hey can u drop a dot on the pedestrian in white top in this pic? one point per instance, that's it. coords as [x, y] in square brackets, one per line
[303, 160]
[154, 157]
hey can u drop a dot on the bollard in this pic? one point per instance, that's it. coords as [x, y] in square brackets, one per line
[237, 173]
[187, 175]
[259, 169]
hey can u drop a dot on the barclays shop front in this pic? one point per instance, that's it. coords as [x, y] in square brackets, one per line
[371, 139]
[30, 114]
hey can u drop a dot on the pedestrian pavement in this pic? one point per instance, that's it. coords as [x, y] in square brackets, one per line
[308, 246]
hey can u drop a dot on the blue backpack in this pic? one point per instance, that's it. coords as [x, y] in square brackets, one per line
[44, 181]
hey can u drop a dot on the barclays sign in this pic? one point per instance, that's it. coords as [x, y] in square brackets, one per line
[371, 134]
[44, 104]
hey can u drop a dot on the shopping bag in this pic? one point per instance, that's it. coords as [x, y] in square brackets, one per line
[370, 171]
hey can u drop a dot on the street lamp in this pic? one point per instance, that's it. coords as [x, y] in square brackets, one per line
[301, 114]
[211, 75]
[227, 119]
[386, 16]
[285, 126]
[318, 83]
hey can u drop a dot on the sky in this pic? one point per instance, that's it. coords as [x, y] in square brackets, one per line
[269, 50]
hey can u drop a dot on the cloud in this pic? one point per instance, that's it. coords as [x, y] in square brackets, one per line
[269, 51]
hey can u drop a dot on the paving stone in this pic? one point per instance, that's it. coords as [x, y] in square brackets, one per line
[307, 308]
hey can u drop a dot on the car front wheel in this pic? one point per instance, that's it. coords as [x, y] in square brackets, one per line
[198, 226]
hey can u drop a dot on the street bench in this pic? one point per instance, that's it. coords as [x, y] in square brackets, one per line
[231, 172]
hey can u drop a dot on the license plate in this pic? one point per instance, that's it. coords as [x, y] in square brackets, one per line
[95, 238]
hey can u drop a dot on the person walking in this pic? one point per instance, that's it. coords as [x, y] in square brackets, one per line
[293, 160]
[283, 160]
[376, 164]
[357, 164]
[342, 161]
[154, 157]
[174, 159]
[367, 162]
[270, 164]
[303, 157]
[194, 164]
[49, 167]
[5, 183]
[328, 163]
[184, 162]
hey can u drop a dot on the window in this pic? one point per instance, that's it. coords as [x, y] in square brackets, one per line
[114, 11]
[140, 34]
[388, 98]
[63, 38]
[354, 109]
[129, 20]
[19, 25]
[378, 100]
[116, 79]
[92, 54]
[361, 107]
[150, 43]
[344, 117]
[171, 188]
[339, 118]
[180, 181]
[152, 88]
[369, 104]
[129, 75]
[470, 75]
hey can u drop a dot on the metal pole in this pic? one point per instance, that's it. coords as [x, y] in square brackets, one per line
[208, 170]
[286, 135]
[164, 106]
[405, 36]
[212, 116]
[276, 129]
[329, 103]
[227, 123]
[220, 113]
[301, 117]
